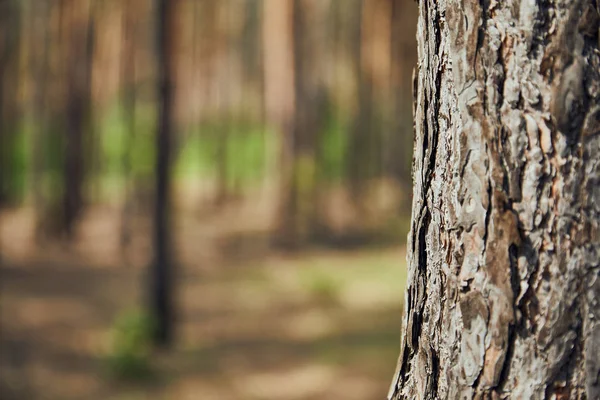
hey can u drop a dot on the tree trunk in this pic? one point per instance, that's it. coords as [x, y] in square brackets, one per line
[79, 17]
[5, 145]
[309, 119]
[161, 270]
[128, 86]
[40, 35]
[280, 107]
[503, 282]
[10, 47]
[358, 160]
[398, 155]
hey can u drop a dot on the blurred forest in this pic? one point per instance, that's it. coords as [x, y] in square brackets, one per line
[203, 198]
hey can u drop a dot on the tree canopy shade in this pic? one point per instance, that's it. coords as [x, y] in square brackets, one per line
[503, 288]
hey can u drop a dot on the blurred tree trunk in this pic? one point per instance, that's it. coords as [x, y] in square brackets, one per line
[40, 45]
[358, 160]
[223, 48]
[79, 22]
[312, 101]
[206, 24]
[503, 281]
[5, 14]
[161, 290]
[298, 184]
[250, 52]
[10, 37]
[280, 105]
[403, 18]
[128, 86]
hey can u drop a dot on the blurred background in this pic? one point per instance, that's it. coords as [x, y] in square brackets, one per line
[203, 199]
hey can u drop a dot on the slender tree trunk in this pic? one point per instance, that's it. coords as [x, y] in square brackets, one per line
[403, 57]
[128, 85]
[503, 283]
[224, 106]
[358, 160]
[161, 269]
[5, 14]
[10, 38]
[297, 213]
[41, 44]
[280, 106]
[311, 108]
[78, 108]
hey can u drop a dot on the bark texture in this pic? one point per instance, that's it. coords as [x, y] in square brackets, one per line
[503, 288]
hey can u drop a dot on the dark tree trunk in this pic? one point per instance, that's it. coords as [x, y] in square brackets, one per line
[403, 23]
[503, 282]
[5, 14]
[78, 108]
[224, 131]
[162, 269]
[10, 32]
[41, 42]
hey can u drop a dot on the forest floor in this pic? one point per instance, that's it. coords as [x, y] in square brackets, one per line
[252, 323]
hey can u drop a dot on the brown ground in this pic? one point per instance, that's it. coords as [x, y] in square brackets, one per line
[252, 324]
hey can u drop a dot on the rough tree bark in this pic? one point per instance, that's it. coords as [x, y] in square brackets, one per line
[503, 287]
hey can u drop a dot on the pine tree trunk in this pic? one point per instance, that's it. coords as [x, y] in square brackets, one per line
[280, 107]
[40, 34]
[77, 124]
[128, 85]
[10, 48]
[503, 287]
[161, 273]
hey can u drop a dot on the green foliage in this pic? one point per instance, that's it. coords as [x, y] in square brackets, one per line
[143, 148]
[304, 168]
[113, 132]
[246, 150]
[332, 148]
[14, 178]
[130, 346]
